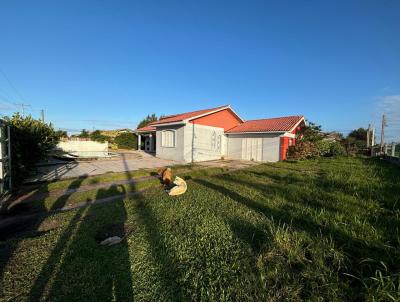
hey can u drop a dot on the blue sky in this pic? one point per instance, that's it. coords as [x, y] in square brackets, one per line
[106, 64]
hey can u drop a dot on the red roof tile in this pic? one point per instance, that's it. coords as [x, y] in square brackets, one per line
[267, 125]
[184, 116]
[146, 129]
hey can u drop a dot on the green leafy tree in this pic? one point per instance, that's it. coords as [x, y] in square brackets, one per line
[126, 140]
[147, 120]
[97, 136]
[61, 134]
[31, 141]
[359, 134]
[84, 134]
[311, 132]
[311, 142]
[356, 141]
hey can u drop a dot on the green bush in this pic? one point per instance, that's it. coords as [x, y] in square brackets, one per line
[126, 140]
[97, 136]
[31, 141]
[303, 150]
[323, 147]
[337, 149]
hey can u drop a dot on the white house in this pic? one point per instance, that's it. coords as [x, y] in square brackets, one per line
[219, 132]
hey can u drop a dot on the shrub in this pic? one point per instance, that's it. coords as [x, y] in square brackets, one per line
[303, 150]
[97, 136]
[337, 149]
[323, 147]
[126, 140]
[31, 141]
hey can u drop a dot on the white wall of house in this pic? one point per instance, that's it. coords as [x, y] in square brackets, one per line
[177, 151]
[206, 144]
[260, 147]
[211, 143]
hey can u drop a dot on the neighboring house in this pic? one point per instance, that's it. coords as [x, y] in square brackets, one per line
[219, 132]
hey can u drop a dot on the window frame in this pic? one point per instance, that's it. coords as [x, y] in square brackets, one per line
[173, 131]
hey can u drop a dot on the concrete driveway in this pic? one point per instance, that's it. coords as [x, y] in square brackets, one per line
[129, 161]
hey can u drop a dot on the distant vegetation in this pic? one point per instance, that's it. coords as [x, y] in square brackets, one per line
[121, 138]
[127, 140]
[147, 120]
[356, 141]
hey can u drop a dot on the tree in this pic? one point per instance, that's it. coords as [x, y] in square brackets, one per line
[356, 140]
[84, 134]
[359, 134]
[61, 134]
[147, 120]
[97, 136]
[126, 140]
[31, 141]
[311, 142]
[311, 132]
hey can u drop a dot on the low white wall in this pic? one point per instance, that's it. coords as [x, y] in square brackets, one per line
[84, 148]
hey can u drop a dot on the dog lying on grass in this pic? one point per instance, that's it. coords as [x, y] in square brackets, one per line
[175, 188]
[166, 176]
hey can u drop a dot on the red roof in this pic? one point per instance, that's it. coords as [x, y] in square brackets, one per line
[146, 129]
[184, 116]
[268, 125]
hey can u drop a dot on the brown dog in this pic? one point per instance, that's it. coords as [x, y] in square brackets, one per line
[166, 175]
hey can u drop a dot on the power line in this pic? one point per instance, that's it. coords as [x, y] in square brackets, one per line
[11, 84]
[23, 106]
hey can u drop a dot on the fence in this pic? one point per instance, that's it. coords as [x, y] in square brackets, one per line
[5, 158]
[386, 150]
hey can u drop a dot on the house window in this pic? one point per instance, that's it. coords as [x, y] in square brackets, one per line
[168, 138]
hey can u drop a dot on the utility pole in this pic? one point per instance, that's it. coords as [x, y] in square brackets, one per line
[22, 107]
[368, 135]
[373, 136]
[384, 124]
[42, 115]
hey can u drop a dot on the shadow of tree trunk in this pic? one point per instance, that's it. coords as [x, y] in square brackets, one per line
[29, 225]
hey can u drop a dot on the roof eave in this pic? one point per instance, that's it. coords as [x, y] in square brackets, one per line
[205, 114]
[253, 132]
[297, 124]
[170, 124]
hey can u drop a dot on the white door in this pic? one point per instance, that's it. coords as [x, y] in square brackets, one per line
[252, 149]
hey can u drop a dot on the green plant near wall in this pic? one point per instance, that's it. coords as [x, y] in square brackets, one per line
[31, 141]
[98, 137]
[126, 140]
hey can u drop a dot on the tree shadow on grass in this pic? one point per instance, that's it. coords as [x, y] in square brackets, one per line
[80, 267]
[163, 257]
[355, 249]
[31, 225]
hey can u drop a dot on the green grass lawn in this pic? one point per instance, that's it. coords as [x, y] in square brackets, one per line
[44, 201]
[314, 230]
